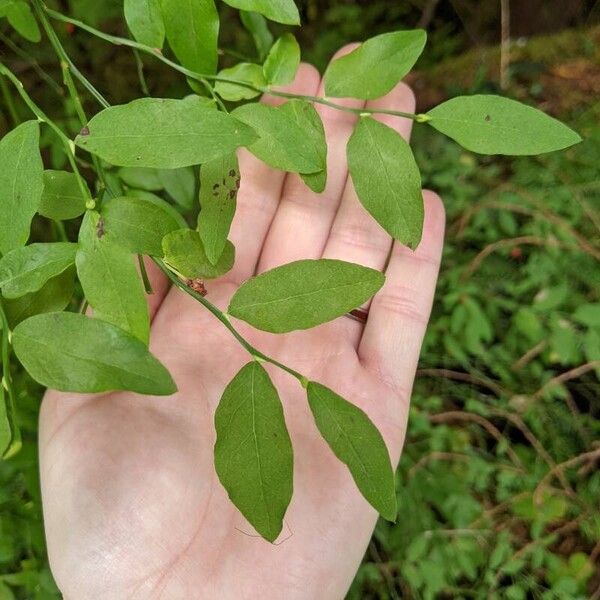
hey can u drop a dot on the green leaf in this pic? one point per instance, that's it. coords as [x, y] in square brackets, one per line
[283, 61]
[184, 251]
[74, 353]
[21, 184]
[280, 11]
[61, 198]
[25, 270]
[139, 224]
[257, 26]
[308, 119]
[358, 444]
[21, 18]
[247, 72]
[54, 296]
[141, 178]
[491, 124]
[193, 30]
[253, 452]
[282, 144]
[387, 180]
[219, 185]
[113, 288]
[5, 592]
[303, 294]
[180, 184]
[588, 314]
[163, 133]
[375, 67]
[144, 19]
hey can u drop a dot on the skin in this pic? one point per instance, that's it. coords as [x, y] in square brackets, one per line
[133, 507]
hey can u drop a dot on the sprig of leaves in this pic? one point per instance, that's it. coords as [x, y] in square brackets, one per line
[154, 146]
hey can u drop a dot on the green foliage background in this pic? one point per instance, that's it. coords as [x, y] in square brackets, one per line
[498, 486]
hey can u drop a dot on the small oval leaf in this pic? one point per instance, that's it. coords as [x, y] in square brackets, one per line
[193, 30]
[180, 184]
[387, 179]
[25, 270]
[54, 296]
[358, 444]
[375, 67]
[282, 144]
[144, 19]
[113, 287]
[62, 198]
[283, 60]
[19, 15]
[74, 353]
[308, 119]
[163, 133]
[139, 224]
[303, 294]
[219, 185]
[491, 124]
[253, 452]
[184, 251]
[258, 27]
[280, 11]
[249, 73]
[21, 183]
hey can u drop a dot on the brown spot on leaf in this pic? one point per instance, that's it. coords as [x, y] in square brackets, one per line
[100, 231]
[85, 131]
[488, 118]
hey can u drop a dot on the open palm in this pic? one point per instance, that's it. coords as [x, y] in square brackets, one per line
[132, 503]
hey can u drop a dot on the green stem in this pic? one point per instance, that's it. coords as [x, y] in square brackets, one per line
[144, 273]
[9, 102]
[224, 318]
[234, 54]
[140, 72]
[215, 97]
[119, 41]
[40, 9]
[33, 63]
[41, 116]
[11, 406]
[67, 67]
[60, 232]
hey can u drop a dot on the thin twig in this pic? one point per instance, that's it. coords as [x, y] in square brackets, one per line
[436, 456]
[525, 240]
[592, 455]
[504, 43]
[567, 376]
[456, 415]
[529, 355]
[518, 422]
[120, 41]
[459, 376]
[225, 320]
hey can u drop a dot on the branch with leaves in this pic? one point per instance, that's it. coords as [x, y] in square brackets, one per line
[185, 149]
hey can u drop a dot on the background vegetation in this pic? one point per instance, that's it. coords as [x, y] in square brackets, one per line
[498, 486]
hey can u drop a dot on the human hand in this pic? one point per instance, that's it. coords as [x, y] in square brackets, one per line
[132, 504]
